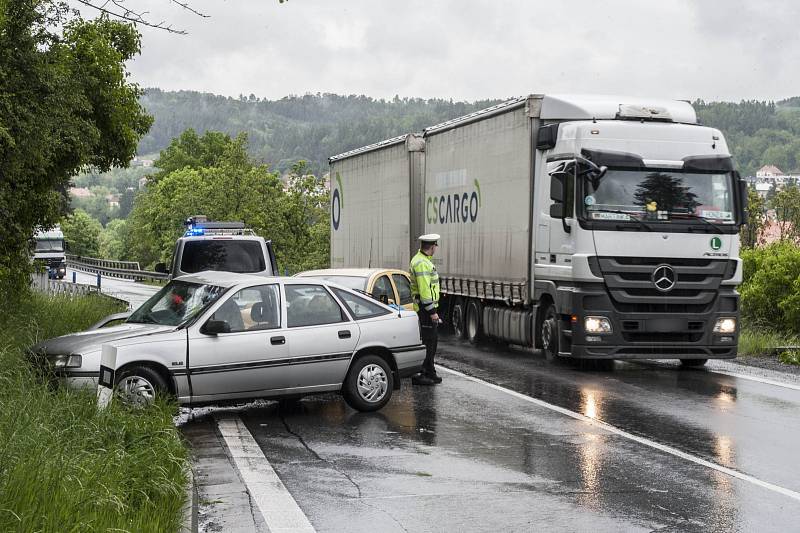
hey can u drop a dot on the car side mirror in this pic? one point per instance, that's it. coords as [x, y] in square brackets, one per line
[215, 327]
[161, 268]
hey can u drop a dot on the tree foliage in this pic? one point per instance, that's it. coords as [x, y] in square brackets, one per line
[65, 103]
[82, 233]
[771, 287]
[230, 186]
[752, 233]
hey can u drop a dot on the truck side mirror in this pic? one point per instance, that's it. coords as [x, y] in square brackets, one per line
[557, 186]
[161, 268]
[743, 198]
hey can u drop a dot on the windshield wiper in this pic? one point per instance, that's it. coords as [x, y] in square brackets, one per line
[698, 217]
[644, 224]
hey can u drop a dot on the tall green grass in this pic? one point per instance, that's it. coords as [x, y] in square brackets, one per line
[64, 465]
[760, 342]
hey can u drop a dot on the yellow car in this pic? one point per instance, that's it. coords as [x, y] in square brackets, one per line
[393, 285]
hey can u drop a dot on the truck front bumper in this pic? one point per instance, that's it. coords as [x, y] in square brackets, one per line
[670, 333]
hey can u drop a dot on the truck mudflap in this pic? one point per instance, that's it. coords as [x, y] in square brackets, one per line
[653, 331]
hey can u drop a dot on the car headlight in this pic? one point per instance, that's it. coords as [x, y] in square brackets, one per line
[65, 361]
[596, 324]
[725, 325]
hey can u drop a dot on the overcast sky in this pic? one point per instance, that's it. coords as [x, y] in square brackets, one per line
[467, 50]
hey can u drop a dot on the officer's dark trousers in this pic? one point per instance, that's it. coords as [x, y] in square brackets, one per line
[429, 331]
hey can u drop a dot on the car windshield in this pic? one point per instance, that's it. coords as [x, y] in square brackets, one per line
[228, 256]
[176, 303]
[660, 196]
[351, 282]
[50, 246]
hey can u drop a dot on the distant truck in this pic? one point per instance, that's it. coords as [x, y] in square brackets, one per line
[222, 246]
[592, 227]
[49, 251]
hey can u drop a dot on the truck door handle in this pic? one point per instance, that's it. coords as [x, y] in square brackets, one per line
[277, 340]
[344, 334]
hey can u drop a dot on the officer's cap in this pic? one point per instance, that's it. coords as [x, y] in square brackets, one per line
[430, 237]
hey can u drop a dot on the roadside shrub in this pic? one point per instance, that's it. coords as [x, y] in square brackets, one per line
[64, 465]
[790, 357]
[771, 287]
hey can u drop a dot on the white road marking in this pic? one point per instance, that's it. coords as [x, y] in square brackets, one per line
[758, 379]
[276, 504]
[641, 440]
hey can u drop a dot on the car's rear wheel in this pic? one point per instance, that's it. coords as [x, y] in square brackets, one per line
[369, 384]
[139, 386]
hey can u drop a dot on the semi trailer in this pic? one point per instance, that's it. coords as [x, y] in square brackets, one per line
[594, 227]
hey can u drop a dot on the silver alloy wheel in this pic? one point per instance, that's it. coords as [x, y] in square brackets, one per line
[136, 391]
[372, 383]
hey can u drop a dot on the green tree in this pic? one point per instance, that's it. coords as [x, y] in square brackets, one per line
[786, 204]
[82, 233]
[234, 188]
[306, 213]
[192, 151]
[112, 240]
[752, 231]
[65, 103]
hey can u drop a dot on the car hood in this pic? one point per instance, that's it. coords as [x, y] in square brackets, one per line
[92, 340]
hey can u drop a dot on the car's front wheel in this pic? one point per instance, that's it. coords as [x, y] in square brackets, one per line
[138, 386]
[369, 384]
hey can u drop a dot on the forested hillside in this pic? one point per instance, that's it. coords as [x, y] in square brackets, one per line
[282, 132]
[314, 127]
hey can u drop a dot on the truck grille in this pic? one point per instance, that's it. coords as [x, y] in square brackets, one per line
[630, 285]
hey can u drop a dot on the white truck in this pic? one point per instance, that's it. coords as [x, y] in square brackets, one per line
[49, 250]
[594, 227]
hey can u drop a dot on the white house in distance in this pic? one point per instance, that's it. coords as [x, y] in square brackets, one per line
[769, 171]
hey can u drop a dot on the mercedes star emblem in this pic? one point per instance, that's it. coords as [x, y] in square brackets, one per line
[664, 278]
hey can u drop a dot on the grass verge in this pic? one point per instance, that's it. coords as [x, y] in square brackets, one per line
[754, 343]
[64, 466]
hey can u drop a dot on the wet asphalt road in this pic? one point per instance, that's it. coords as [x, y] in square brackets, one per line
[124, 289]
[463, 456]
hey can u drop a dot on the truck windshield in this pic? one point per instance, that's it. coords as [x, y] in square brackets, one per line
[229, 256]
[660, 196]
[49, 246]
[176, 303]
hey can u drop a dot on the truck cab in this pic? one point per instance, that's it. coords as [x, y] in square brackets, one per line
[49, 250]
[220, 246]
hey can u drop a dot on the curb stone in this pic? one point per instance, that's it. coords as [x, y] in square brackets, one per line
[189, 512]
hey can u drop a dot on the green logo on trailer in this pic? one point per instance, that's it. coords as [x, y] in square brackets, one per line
[716, 243]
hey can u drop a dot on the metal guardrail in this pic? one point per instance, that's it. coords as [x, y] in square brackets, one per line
[114, 269]
[41, 282]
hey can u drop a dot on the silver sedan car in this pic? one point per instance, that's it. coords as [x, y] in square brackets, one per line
[216, 336]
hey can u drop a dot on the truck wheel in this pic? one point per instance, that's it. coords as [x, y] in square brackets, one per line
[693, 362]
[549, 333]
[139, 386]
[369, 384]
[474, 331]
[457, 319]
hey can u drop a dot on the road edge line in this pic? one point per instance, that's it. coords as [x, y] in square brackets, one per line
[276, 504]
[622, 433]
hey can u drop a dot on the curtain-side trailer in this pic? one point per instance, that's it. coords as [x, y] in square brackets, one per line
[593, 227]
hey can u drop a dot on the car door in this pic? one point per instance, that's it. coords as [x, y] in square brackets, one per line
[403, 287]
[383, 287]
[249, 359]
[321, 336]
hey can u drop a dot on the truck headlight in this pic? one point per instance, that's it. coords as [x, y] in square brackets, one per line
[725, 325]
[596, 324]
[65, 361]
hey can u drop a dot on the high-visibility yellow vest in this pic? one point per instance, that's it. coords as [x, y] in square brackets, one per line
[424, 283]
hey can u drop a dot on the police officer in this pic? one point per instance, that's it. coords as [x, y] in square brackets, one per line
[425, 291]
